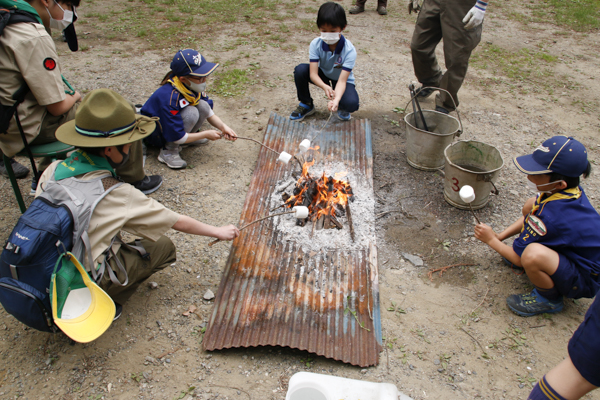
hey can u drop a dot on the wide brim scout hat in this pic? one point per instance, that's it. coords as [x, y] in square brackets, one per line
[559, 154]
[104, 118]
[190, 62]
[80, 308]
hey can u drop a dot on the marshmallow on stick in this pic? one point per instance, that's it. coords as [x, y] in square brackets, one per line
[304, 145]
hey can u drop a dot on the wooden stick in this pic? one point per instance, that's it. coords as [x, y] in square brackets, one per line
[482, 300]
[256, 141]
[349, 216]
[254, 222]
[473, 212]
[444, 269]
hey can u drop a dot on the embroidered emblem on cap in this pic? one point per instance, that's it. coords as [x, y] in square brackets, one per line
[197, 59]
[543, 148]
[537, 225]
[49, 64]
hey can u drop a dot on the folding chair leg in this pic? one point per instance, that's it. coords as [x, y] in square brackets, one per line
[14, 184]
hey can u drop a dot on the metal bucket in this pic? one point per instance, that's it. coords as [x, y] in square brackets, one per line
[425, 150]
[473, 163]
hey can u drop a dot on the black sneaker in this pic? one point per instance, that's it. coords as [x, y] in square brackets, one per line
[118, 311]
[529, 304]
[149, 184]
[303, 110]
[425, 93]
[19, 169]
[441, 110]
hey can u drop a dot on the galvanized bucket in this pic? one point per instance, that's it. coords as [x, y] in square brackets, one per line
[473, 163]
[425, 150]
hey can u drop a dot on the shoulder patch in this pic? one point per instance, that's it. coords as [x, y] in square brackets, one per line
[49, 64]
[183, 103]
[537, 225]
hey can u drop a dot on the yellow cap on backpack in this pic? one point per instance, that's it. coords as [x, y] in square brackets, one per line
[80, 308]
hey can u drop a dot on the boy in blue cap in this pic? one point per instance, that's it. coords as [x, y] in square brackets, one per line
[182, 106]
[559, 241]
[332, 59]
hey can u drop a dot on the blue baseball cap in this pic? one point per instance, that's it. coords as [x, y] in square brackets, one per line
[190, 62]
[559, 154]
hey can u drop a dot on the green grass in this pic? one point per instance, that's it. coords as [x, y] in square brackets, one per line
[579, 15]
[233, 82]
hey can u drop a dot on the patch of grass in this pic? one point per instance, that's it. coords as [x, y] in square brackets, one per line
[232, 83]
[579, 15]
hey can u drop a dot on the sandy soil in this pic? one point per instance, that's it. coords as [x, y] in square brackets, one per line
[436, 339]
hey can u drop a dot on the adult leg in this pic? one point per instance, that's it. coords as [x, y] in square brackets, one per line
[458, 45]
[426, 36]
[50, 124]
[162, 254]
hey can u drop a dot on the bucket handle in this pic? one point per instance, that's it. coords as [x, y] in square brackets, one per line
[460, 131]
[488, 178]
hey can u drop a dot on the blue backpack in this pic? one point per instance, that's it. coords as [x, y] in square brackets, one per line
[55, 222]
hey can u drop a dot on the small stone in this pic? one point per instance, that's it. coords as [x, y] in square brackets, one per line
[414, 260]
[209, 295]
[262, 110]
[363, 371]
[521, 385]
[436, 361]
[168, 361]
[153, 285]
[440, 370]
[151, 359]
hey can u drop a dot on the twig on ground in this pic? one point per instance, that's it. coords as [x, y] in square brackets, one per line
[474, 338]
[482, 300]
[386, 213]
[537, 326]
[384, 185]
[168, 353]
[231, 387]
[444, 269]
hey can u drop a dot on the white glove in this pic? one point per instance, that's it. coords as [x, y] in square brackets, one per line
[474, 17]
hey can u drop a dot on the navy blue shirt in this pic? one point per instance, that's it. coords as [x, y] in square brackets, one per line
[566, 223]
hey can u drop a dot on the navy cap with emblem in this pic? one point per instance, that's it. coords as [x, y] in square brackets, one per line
[190, 62]
[559, 154]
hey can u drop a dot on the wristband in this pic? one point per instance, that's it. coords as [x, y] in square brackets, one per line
[481, 5]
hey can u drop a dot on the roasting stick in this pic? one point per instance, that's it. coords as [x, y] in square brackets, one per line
[274, 151]
[298, 211]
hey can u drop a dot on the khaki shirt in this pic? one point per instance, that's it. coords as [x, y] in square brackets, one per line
[28, 54]
[124, 208]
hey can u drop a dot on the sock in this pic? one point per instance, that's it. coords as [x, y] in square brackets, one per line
[543, 391]
[550, 294]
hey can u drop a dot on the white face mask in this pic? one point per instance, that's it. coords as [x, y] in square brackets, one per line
[535, 188]
[62, 24]
[330, 37]
[198, 87]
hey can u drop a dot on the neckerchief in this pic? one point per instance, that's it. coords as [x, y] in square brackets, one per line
[80, 163]
[20, 5]
[187, 93]
[572, 193]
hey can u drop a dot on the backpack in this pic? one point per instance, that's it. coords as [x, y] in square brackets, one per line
[55, 222]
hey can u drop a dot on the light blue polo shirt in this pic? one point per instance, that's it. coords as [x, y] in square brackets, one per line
[332, 64]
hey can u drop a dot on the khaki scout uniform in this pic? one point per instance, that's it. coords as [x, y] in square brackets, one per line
[126, 208]
[28, 54]
[442, 19]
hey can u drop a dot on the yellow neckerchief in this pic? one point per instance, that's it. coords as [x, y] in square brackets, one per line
[187, 93]
[572, 193]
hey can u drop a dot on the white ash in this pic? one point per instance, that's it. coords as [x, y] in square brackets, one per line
[362, 210]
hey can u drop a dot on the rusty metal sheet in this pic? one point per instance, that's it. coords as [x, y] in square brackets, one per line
[273, 293]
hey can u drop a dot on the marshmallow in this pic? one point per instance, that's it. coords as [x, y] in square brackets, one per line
[300, 212]
[467, 194]
[285, 157]
[304, 145]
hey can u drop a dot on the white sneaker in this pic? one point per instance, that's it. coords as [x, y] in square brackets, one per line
[171, 158]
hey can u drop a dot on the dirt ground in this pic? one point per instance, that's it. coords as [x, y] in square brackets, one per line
[451, 337]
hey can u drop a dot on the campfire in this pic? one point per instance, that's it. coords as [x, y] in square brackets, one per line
[326, 197]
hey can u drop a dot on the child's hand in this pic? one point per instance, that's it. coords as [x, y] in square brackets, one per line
[228, 133]
[212, 134]
[332, 105]
[485, 233]
[228, 232]
[329, 92]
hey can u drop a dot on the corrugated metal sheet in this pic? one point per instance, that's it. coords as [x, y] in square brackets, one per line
[275, 294]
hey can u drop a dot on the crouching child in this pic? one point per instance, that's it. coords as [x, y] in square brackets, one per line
[559, 242]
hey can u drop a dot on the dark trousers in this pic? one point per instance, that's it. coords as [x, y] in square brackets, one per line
[162, 254]
[442, 19]
[349, 101]
[361, 3]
